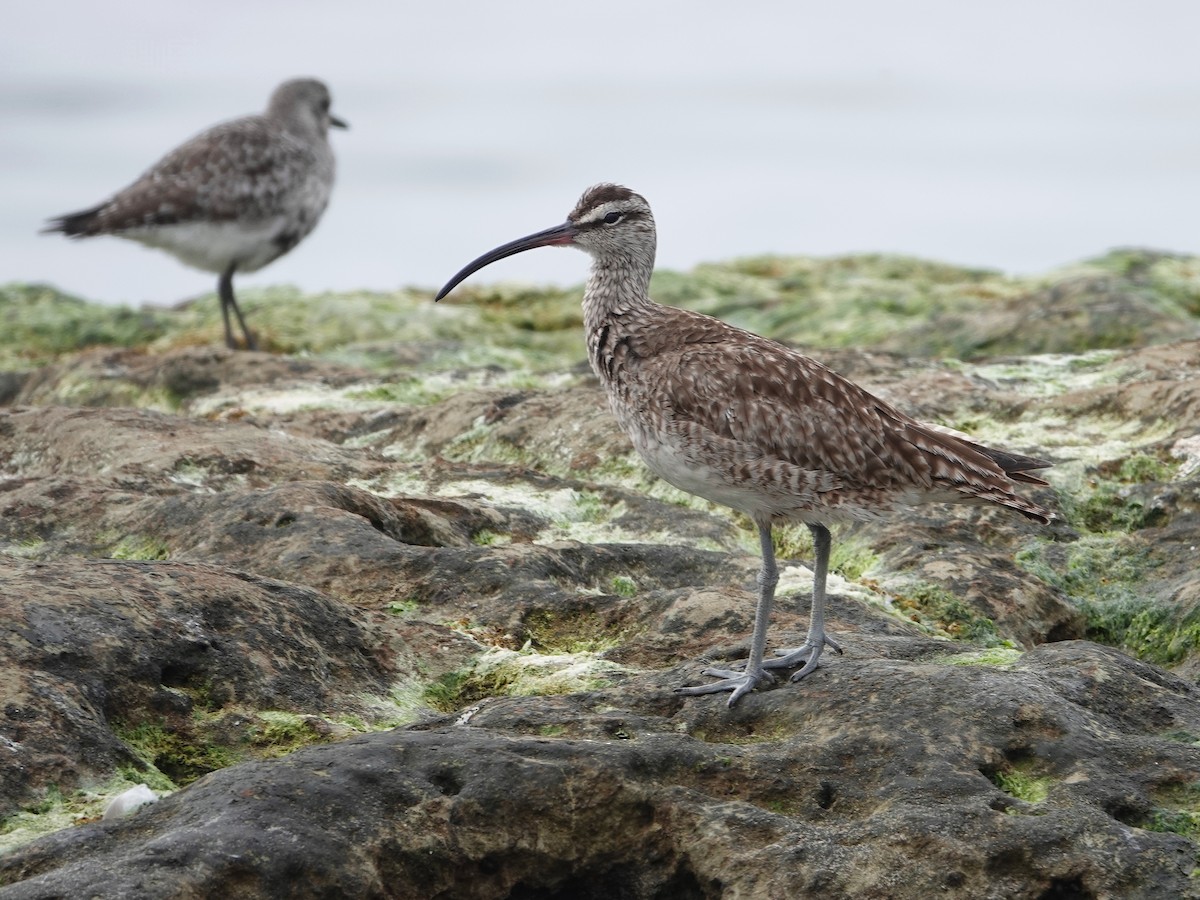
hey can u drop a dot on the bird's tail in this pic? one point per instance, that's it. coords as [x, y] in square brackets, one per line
[981, 481]
[1016, 466]
[76, 224]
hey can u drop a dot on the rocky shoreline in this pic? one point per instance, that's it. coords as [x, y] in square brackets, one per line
[394, 611]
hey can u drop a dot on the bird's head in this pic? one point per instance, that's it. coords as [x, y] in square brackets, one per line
[610, 222]
[303, 105]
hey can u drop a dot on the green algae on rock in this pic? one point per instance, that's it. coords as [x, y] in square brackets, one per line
[898, 304]
[39, 323]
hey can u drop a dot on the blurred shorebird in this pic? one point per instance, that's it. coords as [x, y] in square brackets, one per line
[234, 197]
[751, 424]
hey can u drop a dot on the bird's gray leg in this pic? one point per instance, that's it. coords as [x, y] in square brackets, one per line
[225, 292]
[743, 682]
[228, 301]
[817, 639]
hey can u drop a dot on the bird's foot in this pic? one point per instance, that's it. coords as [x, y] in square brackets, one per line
[740, 683]
[808, 654]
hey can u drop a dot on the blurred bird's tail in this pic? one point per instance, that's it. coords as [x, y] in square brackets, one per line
[76, 224]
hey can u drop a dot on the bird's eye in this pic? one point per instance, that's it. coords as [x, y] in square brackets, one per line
[612, 218]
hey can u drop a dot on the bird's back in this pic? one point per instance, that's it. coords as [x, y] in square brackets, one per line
[745, 421]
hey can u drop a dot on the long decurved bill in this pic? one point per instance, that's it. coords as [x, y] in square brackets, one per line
[559, 235]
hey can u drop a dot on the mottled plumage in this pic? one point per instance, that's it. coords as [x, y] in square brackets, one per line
[235, 197]
[749, 423]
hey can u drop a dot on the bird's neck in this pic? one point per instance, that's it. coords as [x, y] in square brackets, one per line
[616, 286]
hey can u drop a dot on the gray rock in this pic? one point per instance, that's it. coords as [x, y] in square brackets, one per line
[94, 647]
[884, 778]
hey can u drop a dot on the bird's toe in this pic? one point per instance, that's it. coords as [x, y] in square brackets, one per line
[738, 683]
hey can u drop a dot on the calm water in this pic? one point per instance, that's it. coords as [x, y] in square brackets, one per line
[1018, 136]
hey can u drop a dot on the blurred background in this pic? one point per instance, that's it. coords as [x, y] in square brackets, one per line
[1018, 136]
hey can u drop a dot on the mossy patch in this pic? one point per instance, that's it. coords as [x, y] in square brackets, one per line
[940, 612]
[1175, 821]
[1109, 498]
[1177, 811]
[1095, 568]
[404, 703]
[403, 608]
[1107, 508]
[990, 656]
[151, 777]
[591, 507]
[500, 672]
[408, 391]
[852, 558]
[1106, 576]
[531, 309]
[1139, 468]
[578, 630]
[40, 323]
[1046, 375]
[176, 754]
[623, 586]
[1183, 737]
[277, 733]
[139, 547]
[33, 547]
[1144, 627]
[485, 537]
[455, 690]
[1023, 781]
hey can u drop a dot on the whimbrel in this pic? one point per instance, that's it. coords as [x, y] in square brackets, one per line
[748, 423]
[233, 198]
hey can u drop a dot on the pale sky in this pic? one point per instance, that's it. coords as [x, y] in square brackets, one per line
[1019, 136]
